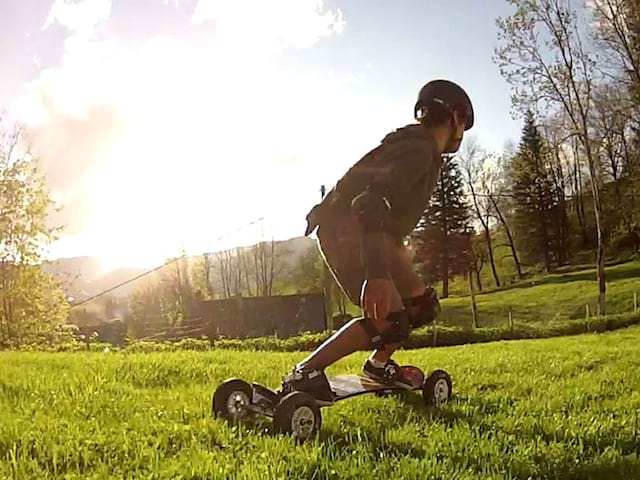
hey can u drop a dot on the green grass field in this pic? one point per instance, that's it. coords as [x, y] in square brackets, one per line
[556, 408]
[548, 298]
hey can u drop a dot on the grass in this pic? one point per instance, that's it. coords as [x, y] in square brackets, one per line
[549, 298]
[556, 408]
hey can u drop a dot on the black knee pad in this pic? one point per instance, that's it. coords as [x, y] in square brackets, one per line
[398, 332]
[375, 337]
[400, 329]
[424, 309]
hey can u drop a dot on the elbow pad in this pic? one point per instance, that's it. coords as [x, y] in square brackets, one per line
[371, 210]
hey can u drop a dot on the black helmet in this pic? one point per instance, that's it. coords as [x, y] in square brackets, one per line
[448, 94]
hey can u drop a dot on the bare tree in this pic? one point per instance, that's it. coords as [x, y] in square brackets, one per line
[616, 23]
[207, 274]
[472, 160]
[225, 271]
[497, 191]
[557, 136]
[546, 62]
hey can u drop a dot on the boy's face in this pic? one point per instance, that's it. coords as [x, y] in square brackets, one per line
[457, 133]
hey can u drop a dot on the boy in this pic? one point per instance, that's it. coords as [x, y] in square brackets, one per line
[362, 223]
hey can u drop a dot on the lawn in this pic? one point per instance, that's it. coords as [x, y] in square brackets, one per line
[554, 408]
[548, 298]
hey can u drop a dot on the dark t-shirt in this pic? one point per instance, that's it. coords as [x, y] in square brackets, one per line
[405, 166]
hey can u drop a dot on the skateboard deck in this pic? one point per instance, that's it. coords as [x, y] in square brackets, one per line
[349, 385]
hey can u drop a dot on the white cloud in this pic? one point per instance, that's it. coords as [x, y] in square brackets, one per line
[173, 141]
[269, 26]
[79, 16]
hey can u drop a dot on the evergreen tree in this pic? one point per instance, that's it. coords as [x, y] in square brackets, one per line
[536, 208]
[441, 238]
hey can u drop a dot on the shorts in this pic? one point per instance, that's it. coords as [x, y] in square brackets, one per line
[340, 246]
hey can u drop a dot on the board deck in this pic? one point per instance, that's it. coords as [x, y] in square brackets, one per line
[345, 386]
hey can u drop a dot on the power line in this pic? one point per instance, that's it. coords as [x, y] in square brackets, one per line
[159, 267]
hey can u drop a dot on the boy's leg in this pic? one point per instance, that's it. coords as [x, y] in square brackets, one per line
[408, 285]
[353, 336]
[349, 275]
[342, 255]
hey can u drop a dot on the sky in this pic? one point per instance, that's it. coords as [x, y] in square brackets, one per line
[164, 125]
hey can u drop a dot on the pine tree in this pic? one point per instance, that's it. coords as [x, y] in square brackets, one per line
[441, 239]
[536, 209]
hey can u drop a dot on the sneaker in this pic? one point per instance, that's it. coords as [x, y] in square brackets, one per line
[311, 381]
[390, 373]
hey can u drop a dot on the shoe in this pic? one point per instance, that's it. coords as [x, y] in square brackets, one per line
[389, 374]
[311, 381]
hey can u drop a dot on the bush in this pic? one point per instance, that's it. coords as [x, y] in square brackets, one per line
[421, 338]
[445, 336]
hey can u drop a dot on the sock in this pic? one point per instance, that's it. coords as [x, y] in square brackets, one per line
[376, 363]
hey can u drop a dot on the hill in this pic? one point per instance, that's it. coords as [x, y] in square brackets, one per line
[83, 277]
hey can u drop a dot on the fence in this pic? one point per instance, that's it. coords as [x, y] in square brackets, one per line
[476, 311]
[241, 317]
[246, 317]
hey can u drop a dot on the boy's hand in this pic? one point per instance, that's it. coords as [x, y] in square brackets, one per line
[376, 297]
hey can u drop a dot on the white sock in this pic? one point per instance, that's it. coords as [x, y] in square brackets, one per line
[376, 363]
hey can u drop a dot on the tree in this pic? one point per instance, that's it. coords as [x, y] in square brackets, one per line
[472, 160]
[497, 191]
[32, 304]
[265, 264]
[535, 204]
[442, 248]
[618, 34]
[308, 275]
[545, 60]
[554, 131]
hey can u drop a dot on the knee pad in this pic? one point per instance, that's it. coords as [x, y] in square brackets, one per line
[397, 332]
[400, 329]
[423, 309]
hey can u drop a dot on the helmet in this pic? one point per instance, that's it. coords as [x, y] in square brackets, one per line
[448, 94]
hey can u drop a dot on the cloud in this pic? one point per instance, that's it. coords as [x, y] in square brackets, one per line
[176, 140]
[269, 26]
[80, 17]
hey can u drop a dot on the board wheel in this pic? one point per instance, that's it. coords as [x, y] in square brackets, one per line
[231, 399]
[437, 388]
[297, 414]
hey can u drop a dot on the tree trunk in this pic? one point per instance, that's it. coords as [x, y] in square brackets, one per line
[597, 211]
[487, 238]
[478, 279]
[487, 233]
[445, 272]
[514, 254]
[474, 308]
[445, 234]
[629, 172]
[579, 198]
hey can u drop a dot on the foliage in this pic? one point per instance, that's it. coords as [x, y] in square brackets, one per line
[32, 304]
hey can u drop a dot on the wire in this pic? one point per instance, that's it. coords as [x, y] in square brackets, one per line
[149, 272]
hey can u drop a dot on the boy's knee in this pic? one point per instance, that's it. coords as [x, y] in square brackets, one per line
[395, 328]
